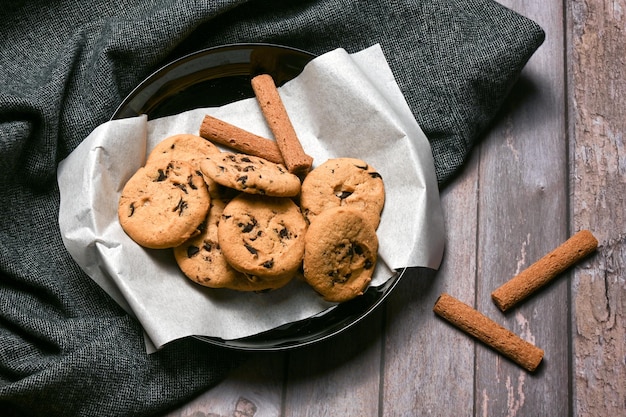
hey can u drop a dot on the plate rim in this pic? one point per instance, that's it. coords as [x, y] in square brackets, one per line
[194, 55]
[392, 282]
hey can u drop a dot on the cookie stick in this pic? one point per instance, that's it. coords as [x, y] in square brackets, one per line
[489, 332]
[296, 160]
[544, 270]
[239, 139]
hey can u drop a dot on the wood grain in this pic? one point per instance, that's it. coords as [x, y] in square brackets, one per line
[522, 216]
[598, 96]
[339, 377]
[428, 363]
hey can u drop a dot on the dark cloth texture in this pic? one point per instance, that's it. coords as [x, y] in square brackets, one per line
[65, 347]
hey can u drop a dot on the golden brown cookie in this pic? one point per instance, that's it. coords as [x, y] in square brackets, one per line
[250, 174]
[263, 236]
[340, 253]
[343, 182]
[182, 147]
[162, 205]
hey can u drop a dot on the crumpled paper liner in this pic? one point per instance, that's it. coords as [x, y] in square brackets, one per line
[341, 105]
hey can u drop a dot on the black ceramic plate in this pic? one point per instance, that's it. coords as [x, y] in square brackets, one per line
[221, 75]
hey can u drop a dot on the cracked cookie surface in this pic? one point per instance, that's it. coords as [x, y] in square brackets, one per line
[263, 236]
[250, 174]
[162, 205]
[343, 182]
[340, 254]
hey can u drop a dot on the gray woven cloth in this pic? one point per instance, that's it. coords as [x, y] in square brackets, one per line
[65, 348]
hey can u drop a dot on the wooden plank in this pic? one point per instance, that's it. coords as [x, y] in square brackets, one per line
[428, 365]
[337, 377]
[523, 214]
[598, 96]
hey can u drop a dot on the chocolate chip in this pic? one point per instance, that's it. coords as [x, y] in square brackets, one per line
[284, 233]
[182, 187]
[357, 249]
[343, 195]
[268, 264]
[190, 183]
[192, 250]
[250, 249]
[162, 176]
[202, 226]
[362, 167]
[207, 246]
[132, 209]
[246, 159]
[248, 227]
[368, 264]
[182, 205]
[375, 175]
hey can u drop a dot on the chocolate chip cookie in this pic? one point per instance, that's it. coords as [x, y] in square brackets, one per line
[182, 147]
[263, 236]
[340, 253]
[343, 182]
[250, 174]
[163, 204]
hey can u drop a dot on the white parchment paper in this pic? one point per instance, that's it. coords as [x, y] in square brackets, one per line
[341, 105]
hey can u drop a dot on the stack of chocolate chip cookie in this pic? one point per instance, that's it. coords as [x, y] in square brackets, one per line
[242, 222]
[342, 200]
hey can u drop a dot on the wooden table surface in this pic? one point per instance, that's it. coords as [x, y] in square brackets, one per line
[553, 163]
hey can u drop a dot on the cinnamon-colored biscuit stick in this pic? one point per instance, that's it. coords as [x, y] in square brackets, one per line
[239, 139]
[544, 270]
[296, 160]
[489, 332]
